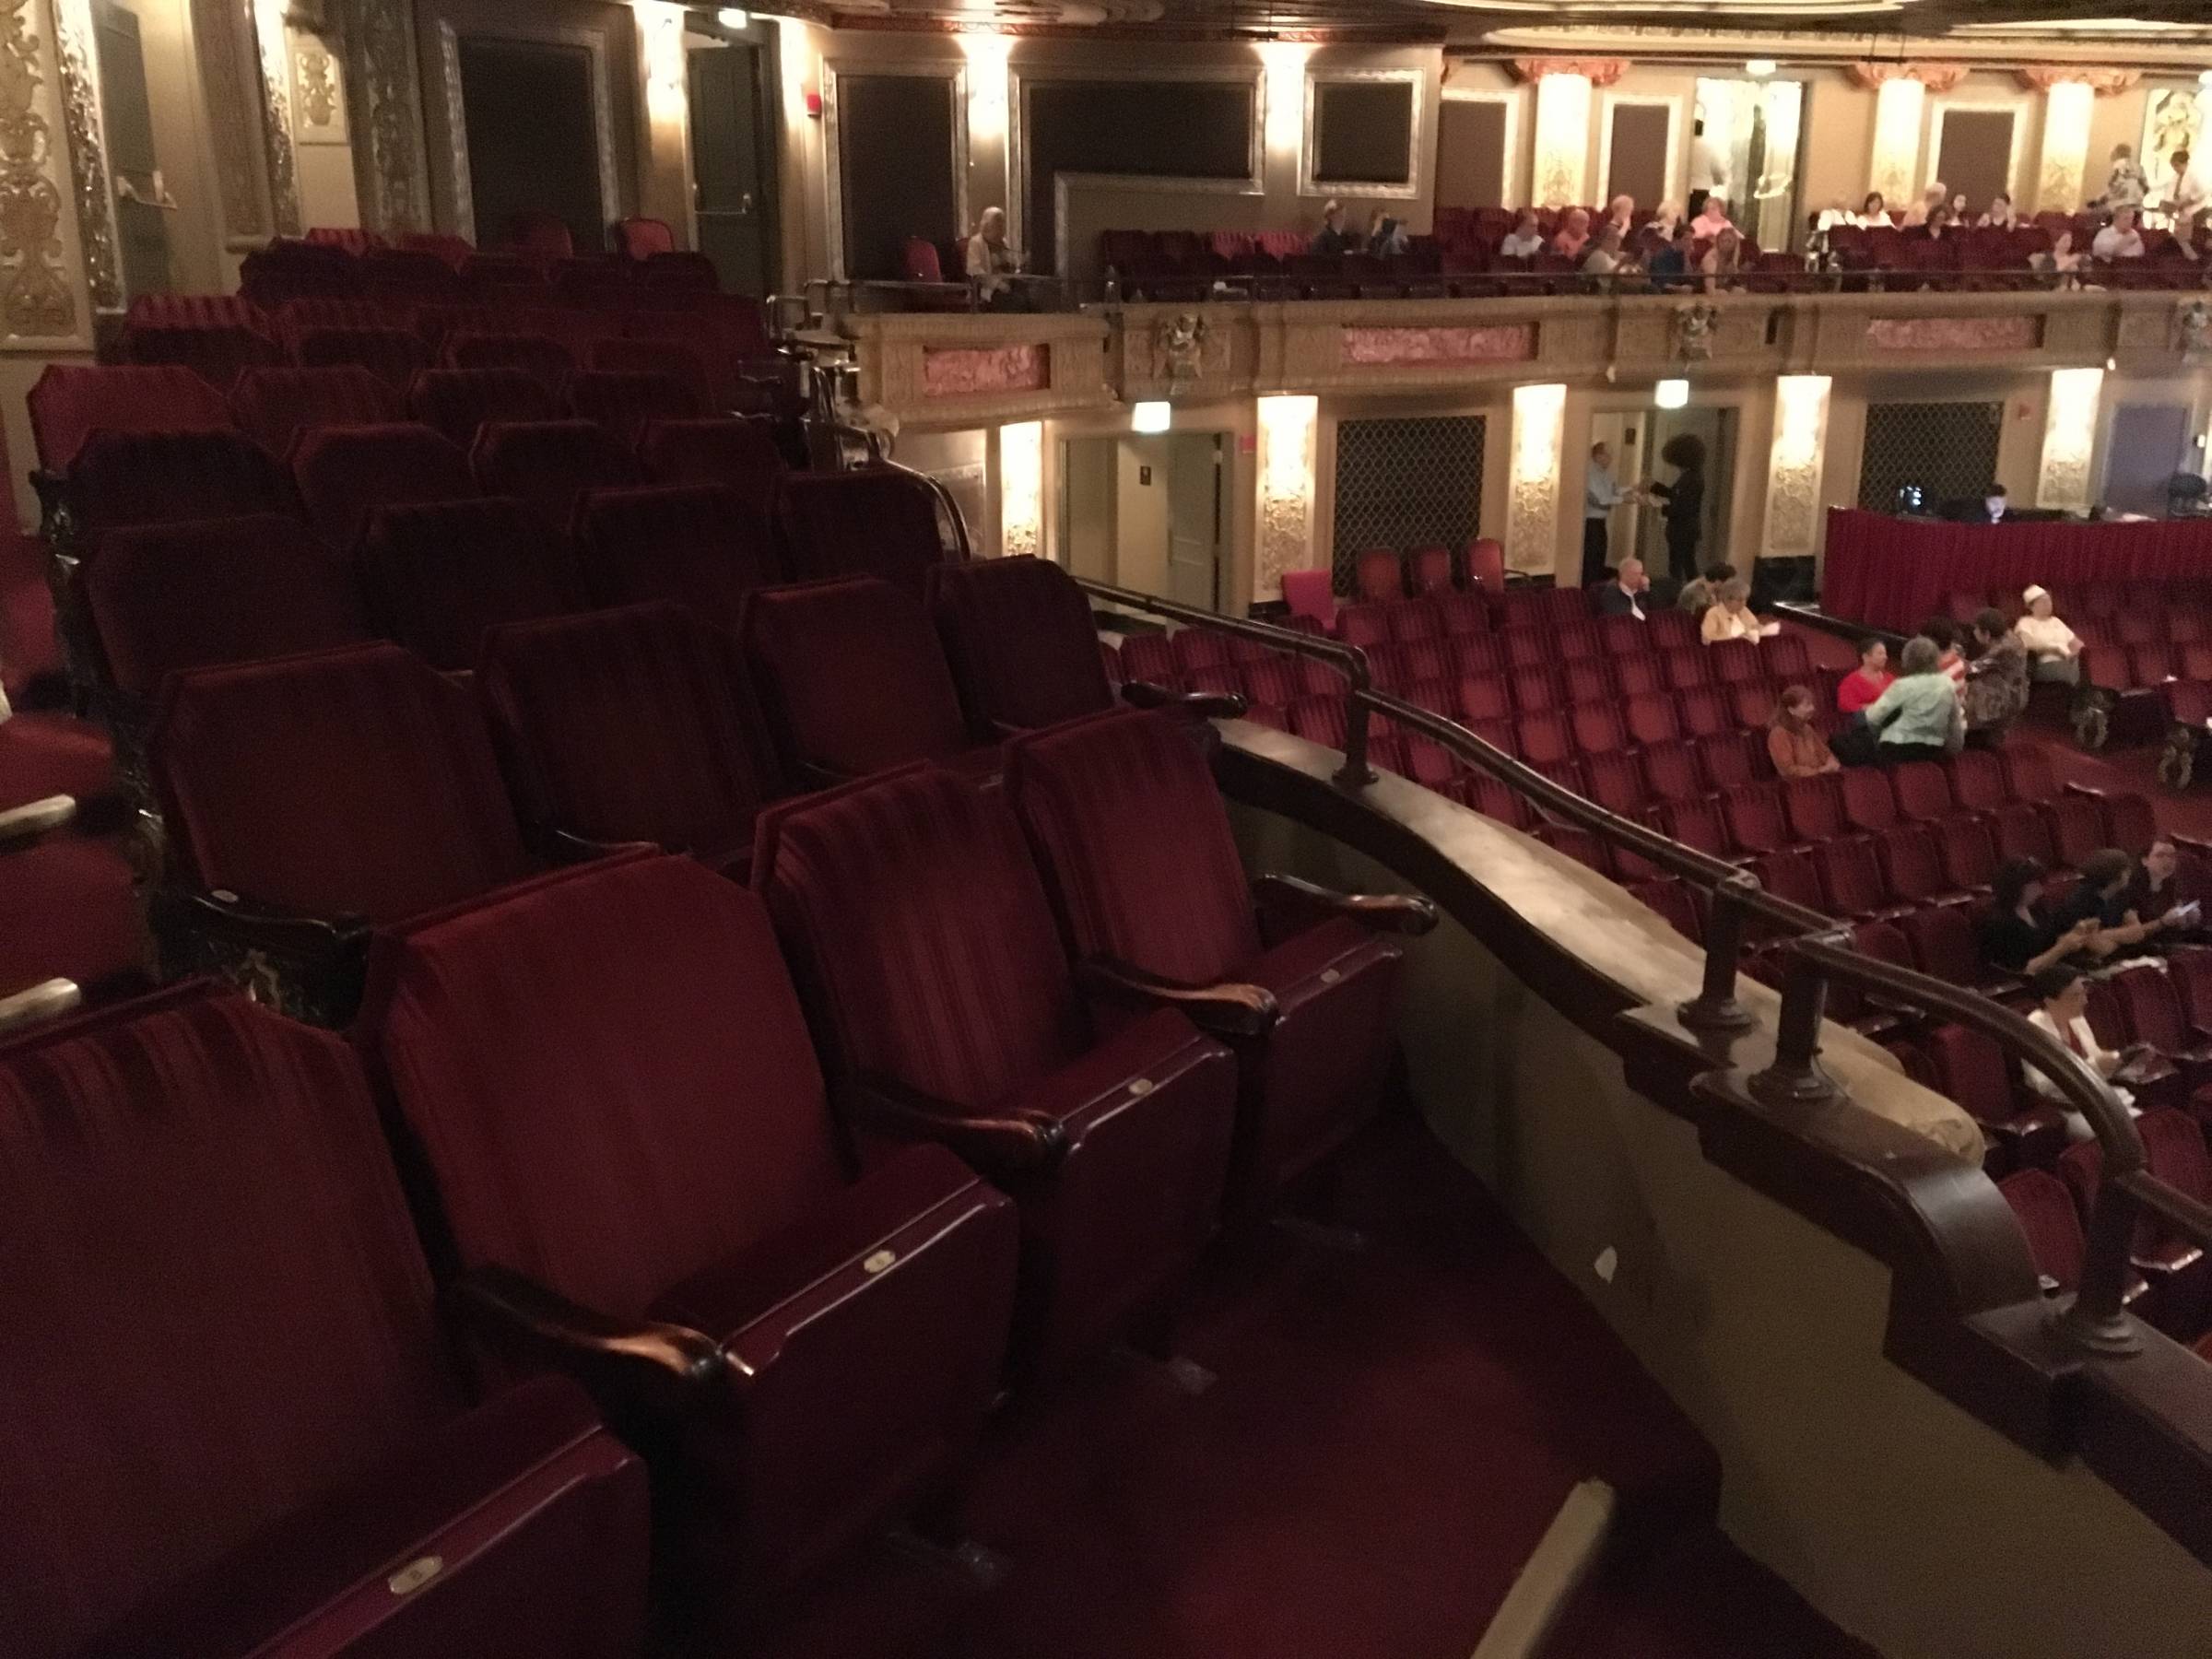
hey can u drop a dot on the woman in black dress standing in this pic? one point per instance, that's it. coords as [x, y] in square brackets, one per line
[1685, 499]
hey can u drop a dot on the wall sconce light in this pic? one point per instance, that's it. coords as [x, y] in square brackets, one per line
[1759, 68]
[1671, 395]
[1150, 418]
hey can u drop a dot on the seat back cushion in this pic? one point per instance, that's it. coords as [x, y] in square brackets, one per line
[72, 401]
[437, 574]
[346, 472]
[1129, 829]
[120, 479]
[275, 406]
[216, 1306]
[1019, 637]
[865, 523]
[730, 451]
[548, 462]
[920, 934]
[167, 597]
[695, 544]
[851, 677]
[355, 782]
[609, 1073]
[627, 725]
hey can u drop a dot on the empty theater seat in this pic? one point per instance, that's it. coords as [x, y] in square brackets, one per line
[275, 406]
[940, 996]
[1136, 846]
[693, 544]
[639, 1153]
[71, 401]
[458, 401]
[217, 350]
[347, 473]
[169, 597]
[730, 451]
[862, 524]
[629, 726]
[852, 680]
[119, 479]
[547, 361]
[1019, 637]
[356, 783]
[238, 1431]
[624, 403]
[548, 463]
[438, 573]
[394, 355]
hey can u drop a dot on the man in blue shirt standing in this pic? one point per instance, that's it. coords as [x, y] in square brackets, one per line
[1601, 493]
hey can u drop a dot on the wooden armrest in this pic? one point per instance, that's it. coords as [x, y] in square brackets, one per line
[1383, 913]
[509, 1311]
[254, 925]
[24, 826]
[49, 999]
[1206, 705]
[1227, 1009]
[565, 848]
[997, 1147]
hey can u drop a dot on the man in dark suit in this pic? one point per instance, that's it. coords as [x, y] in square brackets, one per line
[1629, 594]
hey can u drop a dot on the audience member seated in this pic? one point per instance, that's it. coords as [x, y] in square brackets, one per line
[1574, 234]
[1935, 195]
[1730, 615]
[1723, 262]
[1949, 659]
[2123, 239]
[2000, 215]
[1713, 218]
[1621, 214]
[1918, 718]
[1675, 265]
[992, 260]
[1698, 594]
[1794, 741]
[1385, 235]
[2102, 896]
[1997, 505]
[2019, 935]
[2063, 1010]
[1865, 685]
[2060, 261]
[1996, 680]
[1873, 214]
[1525, 241]
[1629, 594]
[2053, 649]
[1333, 240]
[2156, 890]
[1603, 257]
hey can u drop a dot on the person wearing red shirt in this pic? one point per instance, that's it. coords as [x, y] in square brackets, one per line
[1867, 681]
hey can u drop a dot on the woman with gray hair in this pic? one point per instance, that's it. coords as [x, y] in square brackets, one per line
[1919, 717]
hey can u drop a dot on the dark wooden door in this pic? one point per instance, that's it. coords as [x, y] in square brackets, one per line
[733, 174]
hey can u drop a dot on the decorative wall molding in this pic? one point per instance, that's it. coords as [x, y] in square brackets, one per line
[1598, 72]
[1935, 77]
[985, 370]
[1370, 347]
[2062, 476]
[1532, 516]
[273, 52]
[38, 298]
[319, 113]
[1974, 335]
[2105, 83]
[76, 56]
[1289, 438]
[1793, 513]
[384, 87]
[230, 97]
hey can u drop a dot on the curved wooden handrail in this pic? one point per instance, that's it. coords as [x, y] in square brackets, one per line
[1816, 951]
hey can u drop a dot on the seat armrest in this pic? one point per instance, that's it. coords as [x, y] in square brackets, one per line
[2071, 787]
[1000, 1147]
[565, 848]
[1227, 1009]
[1406, 914]
[621, 1361]
[24, 826]
[251, 925]
[1205, 705]
[2174, 1259]
[49, 999]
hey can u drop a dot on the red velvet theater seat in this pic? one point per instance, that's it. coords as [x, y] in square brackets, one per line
[852, 680]
[629, 726]
[120, 479]
[394, 355]
[548, 463]
[275, 406]
[697, 545]
[353, 782]
[72, 401]
[545, 361]
[1019, 635]
[625, 403]
[458, 401]
[237, 1430]
[1135, 847]
[169, 597]
[732, 451]
[437, 575]
[920, 933]
[862, 524]
[347, 473]
[638, 1147]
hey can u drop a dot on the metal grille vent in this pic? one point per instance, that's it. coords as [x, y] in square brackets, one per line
[1406, 484]
[1948, 449]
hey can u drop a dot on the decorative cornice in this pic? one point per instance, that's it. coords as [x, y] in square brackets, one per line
[1935, 77]
[2105, 83]
[1598, 72]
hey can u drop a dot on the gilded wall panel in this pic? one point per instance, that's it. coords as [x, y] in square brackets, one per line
[42, 298]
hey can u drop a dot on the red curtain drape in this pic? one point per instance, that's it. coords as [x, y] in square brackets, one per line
[1895, 573]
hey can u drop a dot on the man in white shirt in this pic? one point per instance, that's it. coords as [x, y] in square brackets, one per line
[2120, 239]
[1601, 493]
[2053, 649]
[2184, 192]
[1523, 240]
[1708, 169]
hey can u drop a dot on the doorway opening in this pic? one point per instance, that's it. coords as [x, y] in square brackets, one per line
[533, 124]
[1640, 440]
[734, 116]
[1148, 513]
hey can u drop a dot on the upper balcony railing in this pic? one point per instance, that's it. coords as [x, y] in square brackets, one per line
[1816, 951]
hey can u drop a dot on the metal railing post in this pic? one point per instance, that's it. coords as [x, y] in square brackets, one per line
[2097, 1321]
[1715, 1009]
[1796, 1077]
[1354, 773]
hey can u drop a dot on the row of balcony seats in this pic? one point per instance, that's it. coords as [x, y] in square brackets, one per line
[2173, 1278]
[445, 268]
[540, 236]
[787, 1178]
[1382, 575]
[722, 357]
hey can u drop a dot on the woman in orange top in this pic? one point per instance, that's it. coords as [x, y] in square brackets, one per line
[1867, 681]
[1794, 743]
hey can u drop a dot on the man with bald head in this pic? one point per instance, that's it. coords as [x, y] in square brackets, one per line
[1628, 593]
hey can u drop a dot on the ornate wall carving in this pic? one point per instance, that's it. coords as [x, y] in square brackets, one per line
[274, 53]
[37, 299]
[231, 100]
[1372, 346]
[2063, 477]
[1283, 519]
[1953, 333]
[318, 100]
[383, 89]
[79, 86]
[1531, 515]
[973, 371]
[1793, 470]
[1935, 77]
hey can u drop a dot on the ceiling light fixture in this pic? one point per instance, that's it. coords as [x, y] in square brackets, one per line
[731, 17]
[1759, 68]
[1150, 419]
[1671, 395]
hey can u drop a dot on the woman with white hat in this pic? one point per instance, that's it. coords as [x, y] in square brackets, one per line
[2053, 649]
